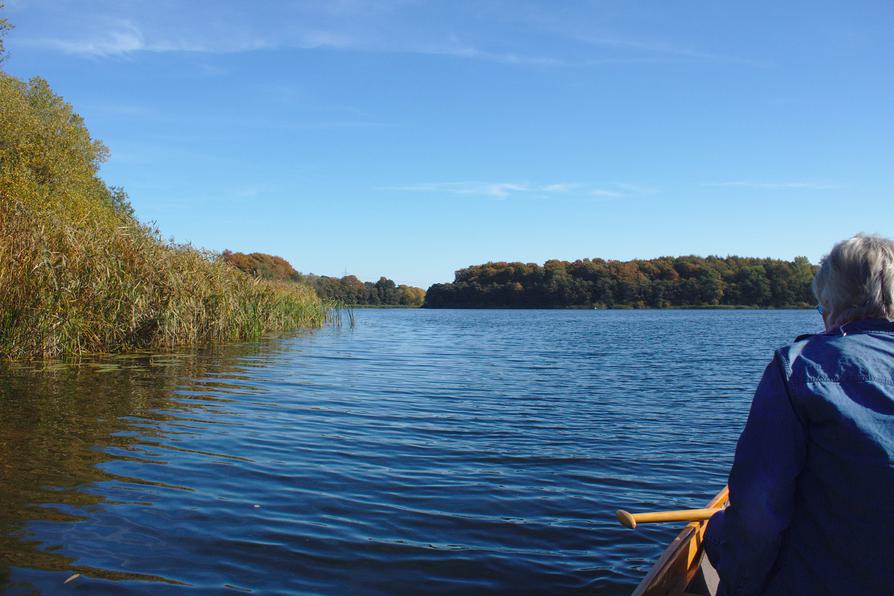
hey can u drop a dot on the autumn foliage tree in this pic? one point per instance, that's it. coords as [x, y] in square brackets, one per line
[654, 283]
[262, 265]
[345, 290]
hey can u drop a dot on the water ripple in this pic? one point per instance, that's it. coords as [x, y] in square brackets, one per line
[433, 451]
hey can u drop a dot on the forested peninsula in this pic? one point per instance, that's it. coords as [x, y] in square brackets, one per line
[80, 274]
[347, 290]
[653, 283]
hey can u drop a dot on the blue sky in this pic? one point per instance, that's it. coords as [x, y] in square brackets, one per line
[412, 138]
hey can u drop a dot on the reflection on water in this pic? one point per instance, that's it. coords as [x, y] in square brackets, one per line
[85, 450]
[445, 450]
[63, 427]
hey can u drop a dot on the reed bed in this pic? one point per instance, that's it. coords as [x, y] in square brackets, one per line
[70, 289]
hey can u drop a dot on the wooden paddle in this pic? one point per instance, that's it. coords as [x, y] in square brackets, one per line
[630, 520]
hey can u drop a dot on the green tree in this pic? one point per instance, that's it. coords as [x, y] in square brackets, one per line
[710, 286]
[802, 274]
[754, 287]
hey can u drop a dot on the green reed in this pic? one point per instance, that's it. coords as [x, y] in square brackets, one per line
[338, 310]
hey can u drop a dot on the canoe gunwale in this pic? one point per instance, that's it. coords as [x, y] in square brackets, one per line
[678, 564]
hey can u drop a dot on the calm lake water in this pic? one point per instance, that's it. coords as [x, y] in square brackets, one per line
[442, 451]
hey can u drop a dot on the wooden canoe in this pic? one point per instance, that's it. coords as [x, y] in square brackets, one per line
[675, 570]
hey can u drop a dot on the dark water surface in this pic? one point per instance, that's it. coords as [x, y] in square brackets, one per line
[447, 451]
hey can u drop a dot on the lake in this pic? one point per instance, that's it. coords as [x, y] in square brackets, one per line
[420, 450]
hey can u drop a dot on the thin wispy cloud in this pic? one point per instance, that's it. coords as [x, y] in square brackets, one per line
[122, 37]
[478, 54]
[110, 29]
[504, 190]
[634, 188]
[107, 36]
[561, 187]
[498, 190]
[601, 192]
[661, 51]
[793, 185]
[128, 39]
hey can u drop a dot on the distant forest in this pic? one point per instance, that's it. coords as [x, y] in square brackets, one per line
[346, 290]
[652, 283]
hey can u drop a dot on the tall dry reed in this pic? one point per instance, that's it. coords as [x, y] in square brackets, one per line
[69, 289]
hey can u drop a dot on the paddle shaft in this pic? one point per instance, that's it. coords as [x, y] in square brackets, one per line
[630, 520]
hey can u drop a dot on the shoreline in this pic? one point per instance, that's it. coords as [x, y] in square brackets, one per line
[687, 307]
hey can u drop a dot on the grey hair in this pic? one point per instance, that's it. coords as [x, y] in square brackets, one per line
[856, 280]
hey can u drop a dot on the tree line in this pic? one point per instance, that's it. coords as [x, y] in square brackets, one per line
[650, 283]
[345, 290]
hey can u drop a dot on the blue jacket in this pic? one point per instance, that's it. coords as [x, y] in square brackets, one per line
[812, 484]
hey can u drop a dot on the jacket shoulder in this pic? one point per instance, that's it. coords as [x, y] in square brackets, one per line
[789, 353]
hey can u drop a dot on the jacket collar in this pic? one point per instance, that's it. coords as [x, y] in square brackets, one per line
[863, 326]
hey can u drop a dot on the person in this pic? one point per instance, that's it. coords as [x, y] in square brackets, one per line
[812, 483]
